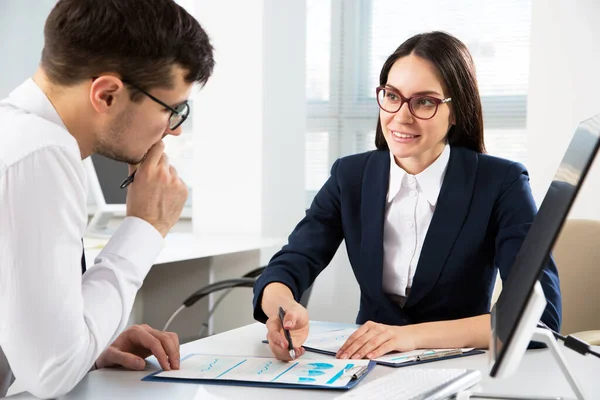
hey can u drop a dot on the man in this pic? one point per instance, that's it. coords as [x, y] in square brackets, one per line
[114, 79]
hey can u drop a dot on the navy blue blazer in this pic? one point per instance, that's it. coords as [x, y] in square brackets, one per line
[484, 210]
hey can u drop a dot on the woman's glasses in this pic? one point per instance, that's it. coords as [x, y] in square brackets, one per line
[421, 107]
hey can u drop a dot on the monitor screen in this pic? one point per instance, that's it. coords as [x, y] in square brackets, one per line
[110, 174]
[510, 308]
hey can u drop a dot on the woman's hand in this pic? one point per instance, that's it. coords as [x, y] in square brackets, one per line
[296, 321]
[373, 340]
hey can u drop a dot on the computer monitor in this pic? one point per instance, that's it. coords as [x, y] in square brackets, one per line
[516, 314]
[105, 177]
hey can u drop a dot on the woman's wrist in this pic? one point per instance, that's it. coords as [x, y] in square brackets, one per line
[276, 295]
[411, 335]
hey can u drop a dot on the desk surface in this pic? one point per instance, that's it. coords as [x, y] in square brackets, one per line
[538, 375]
[181, 246]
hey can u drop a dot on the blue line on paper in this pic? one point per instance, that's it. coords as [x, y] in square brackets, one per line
[319, 365]
[210, 365]
[278, 376]
[339, 374]
[303, 379]
[235, 366]
[266, 367]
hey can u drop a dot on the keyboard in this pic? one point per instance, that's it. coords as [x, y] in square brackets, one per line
[416, 384]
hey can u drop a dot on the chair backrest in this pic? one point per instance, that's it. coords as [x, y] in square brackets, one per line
[577, 256]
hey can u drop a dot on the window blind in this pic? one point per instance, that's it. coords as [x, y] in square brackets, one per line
[348, 41]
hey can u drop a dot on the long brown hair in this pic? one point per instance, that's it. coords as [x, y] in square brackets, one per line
[455, 65]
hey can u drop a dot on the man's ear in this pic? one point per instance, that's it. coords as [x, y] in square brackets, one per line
[104, 91]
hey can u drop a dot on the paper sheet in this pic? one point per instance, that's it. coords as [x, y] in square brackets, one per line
[332, 341]
[331, 373]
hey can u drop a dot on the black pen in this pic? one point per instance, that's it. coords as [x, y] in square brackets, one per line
[128, 181]
[287, 334]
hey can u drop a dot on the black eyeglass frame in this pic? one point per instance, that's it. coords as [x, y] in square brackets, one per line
[183, 115]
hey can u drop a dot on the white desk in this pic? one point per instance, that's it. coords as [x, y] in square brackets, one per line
[187, 263]
[538, 375]
[182, 246]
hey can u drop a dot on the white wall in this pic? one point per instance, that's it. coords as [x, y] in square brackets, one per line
[250, 119]
[249, 130]
[21, 40]
[564, 89]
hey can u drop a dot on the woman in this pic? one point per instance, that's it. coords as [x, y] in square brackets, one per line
[428, 218]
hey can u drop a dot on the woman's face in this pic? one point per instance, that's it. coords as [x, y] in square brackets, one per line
[416, 143]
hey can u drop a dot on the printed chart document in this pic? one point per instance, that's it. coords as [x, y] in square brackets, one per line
[329, 342]
[263, 371]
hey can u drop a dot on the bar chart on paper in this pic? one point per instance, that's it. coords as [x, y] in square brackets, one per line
[323, 374]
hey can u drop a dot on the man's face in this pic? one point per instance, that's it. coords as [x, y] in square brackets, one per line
[130, 129]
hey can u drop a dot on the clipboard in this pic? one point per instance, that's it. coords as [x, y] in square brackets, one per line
[354, 370]
[412, 360]
[335, 338]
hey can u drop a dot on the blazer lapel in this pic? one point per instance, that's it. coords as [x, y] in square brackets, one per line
[374, 191]
[449, 216]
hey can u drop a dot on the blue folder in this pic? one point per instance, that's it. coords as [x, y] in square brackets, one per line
[279, 385]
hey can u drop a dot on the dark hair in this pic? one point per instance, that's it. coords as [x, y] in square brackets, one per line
[140, 40]
[455, 65]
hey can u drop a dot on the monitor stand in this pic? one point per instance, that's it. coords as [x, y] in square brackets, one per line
[544, 336]
[98, 225]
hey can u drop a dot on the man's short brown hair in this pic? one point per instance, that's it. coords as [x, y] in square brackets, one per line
[140, 40]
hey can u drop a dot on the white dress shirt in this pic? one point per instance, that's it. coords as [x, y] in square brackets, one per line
[54, 322]
[410, 205]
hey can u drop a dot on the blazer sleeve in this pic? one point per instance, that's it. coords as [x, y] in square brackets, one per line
[515, 211]
[310, 248]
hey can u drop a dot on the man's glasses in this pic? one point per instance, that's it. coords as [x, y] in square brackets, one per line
[421, 107]
[178, 114]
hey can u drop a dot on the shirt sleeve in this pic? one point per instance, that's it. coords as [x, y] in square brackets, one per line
[55, 323]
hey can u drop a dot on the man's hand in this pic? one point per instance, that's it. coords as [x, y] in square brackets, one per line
[296, 321]
[157, 195]
[373, 340]
[138, 342]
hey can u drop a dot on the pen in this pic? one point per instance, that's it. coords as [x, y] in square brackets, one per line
[287, 335]
[128, 180]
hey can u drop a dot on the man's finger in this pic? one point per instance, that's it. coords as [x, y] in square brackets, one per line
[164, 160]
[170, 343]
[148, 341]
[173, 172]
[116, 357]
[154, 155]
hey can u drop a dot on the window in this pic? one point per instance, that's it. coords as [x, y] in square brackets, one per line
[348, 42]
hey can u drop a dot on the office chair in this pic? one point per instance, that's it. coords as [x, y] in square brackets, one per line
[247, 280]
[577, 256]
